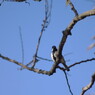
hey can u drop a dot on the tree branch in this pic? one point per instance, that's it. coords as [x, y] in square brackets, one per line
[40, 71]
[44, 58]
[67, 31]
[45, 24]
[84, 89]
[83, 61]
[73, 8]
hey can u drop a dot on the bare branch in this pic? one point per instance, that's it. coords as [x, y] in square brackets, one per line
[44, 26]
[36, 61]
[14, 1]
[73, 8]
[84, 89]
[24, 66]
[80, 17]
[13, 61]
[40, 71]
[44, 58]
[60, 48]
[67, 31]
[83, 61]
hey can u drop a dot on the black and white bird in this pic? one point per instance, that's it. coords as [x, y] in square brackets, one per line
[54, 55]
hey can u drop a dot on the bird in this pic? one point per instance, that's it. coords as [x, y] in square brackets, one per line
[54, 56]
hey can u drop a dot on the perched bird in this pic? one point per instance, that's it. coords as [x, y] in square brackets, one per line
[54, 56]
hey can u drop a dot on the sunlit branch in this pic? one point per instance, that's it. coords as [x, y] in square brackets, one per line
[40, 71]
[14, 61]
[67, 31]
[84, 89]
[73, 8]
[24, 66]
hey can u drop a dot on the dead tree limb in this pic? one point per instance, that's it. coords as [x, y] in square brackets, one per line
[81, 62]
[45, 24]
[67, 31]
[24, 66]
[73, 8]
[84, 89]
[40, 71]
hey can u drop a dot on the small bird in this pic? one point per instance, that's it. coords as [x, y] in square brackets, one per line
[54, 56]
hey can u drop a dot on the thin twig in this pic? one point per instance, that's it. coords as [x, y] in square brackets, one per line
[68, 83]
[83, 61]
[26, 65]
[44, 58]
[36, 61]
[44, 25]
[22, 47]
[73, 8]
[49, 12]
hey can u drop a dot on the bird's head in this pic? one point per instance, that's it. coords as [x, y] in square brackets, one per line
[54, 48]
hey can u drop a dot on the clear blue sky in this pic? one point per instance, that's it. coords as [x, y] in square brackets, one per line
[16, 82]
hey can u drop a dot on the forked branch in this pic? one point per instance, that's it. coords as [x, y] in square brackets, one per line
[40, 71]
[67, 31]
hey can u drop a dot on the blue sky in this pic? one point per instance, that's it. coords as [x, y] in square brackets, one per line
[29, 18]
